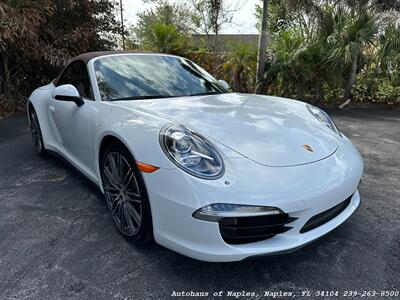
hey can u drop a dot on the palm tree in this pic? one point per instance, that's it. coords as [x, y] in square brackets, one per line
[164, 38]
[240, 62]
[389, 51]
[352, 33]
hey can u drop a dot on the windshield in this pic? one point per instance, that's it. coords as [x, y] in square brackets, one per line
[130, 77]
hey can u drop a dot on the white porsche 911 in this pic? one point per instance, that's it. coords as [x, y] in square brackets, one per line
[211, 174]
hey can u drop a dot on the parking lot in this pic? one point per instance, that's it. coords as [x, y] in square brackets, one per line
[57, 239]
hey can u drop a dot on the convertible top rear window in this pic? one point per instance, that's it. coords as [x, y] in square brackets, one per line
[129, 77]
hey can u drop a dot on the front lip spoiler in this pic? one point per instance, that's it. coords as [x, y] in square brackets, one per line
[281, 253]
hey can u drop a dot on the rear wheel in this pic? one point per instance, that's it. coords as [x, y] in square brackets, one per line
[36, 133]
[126, 194]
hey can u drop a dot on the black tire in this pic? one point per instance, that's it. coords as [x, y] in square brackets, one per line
[123, 201]
[36, 133]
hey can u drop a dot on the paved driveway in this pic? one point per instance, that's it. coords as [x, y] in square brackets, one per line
[57, 239]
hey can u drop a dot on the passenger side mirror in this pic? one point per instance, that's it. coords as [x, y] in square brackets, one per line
[224, 84]
[67, 92]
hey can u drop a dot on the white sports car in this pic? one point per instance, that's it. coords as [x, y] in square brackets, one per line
[211, 174]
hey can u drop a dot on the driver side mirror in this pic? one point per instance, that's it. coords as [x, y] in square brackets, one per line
[67, 92]
[224, 84]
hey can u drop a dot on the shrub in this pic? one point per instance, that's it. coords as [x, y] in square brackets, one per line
[240, 64]
[373, 87]
[164, 38]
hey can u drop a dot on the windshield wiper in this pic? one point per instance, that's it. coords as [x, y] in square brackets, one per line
[206, 93]
[141, 97]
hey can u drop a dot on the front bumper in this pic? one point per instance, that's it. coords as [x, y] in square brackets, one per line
[300, 191]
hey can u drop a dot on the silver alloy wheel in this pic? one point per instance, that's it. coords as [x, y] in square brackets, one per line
[36, 133]
[122, 193]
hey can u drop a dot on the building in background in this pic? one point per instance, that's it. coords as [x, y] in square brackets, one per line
[223, 42]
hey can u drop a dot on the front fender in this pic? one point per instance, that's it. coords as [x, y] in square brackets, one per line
[138, 131]
[39, 101]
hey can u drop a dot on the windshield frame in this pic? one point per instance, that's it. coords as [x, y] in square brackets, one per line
[94, 81]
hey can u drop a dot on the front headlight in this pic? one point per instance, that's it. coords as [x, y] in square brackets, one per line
[323, 118]
[191, 152]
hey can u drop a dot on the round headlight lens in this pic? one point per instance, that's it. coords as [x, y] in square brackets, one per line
[191, 152]
[323, 118]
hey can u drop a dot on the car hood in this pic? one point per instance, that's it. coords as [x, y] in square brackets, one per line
[271, 131]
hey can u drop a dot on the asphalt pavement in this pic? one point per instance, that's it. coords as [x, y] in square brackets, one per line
[57, 239]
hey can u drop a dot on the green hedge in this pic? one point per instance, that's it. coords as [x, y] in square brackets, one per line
[371, 88]
[375, 88]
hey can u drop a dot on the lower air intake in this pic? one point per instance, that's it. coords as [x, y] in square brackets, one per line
[253, 229]
[325, 216]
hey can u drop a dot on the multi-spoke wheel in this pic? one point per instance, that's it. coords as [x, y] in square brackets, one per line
[125, 194]
[36, 133]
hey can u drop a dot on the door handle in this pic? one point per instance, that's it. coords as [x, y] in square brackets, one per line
[52, 109]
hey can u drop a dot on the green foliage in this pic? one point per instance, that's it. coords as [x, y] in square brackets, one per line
[173, 15]
[240, 63]
[375, 88]
[211, 62]
[319, 49]
[164, 38]
[350, 35]
[389, 52]
[322, 51]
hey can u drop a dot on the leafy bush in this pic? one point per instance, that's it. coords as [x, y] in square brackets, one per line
[38, 37]
[370, 87]
[236, 67]
[211, 62]
[164, 38]
[240, 65]
[375, 88]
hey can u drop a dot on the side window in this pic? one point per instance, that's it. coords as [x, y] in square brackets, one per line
[77, 75]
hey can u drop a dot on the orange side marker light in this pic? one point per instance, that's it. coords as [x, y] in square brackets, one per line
[146, 168]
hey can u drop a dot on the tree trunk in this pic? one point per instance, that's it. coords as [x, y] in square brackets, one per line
[237, 80]
[5, 82]
[262, 47]
[1, 76]
[122, 25]
[350, 81]
[6, 78]
[319, 92]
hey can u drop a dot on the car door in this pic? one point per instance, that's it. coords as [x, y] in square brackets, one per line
[72, 122]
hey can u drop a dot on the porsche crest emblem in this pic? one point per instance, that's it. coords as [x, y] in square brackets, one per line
[308, 148]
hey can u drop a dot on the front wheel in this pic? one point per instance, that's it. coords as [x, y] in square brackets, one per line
[126, 194]
[36, 133]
